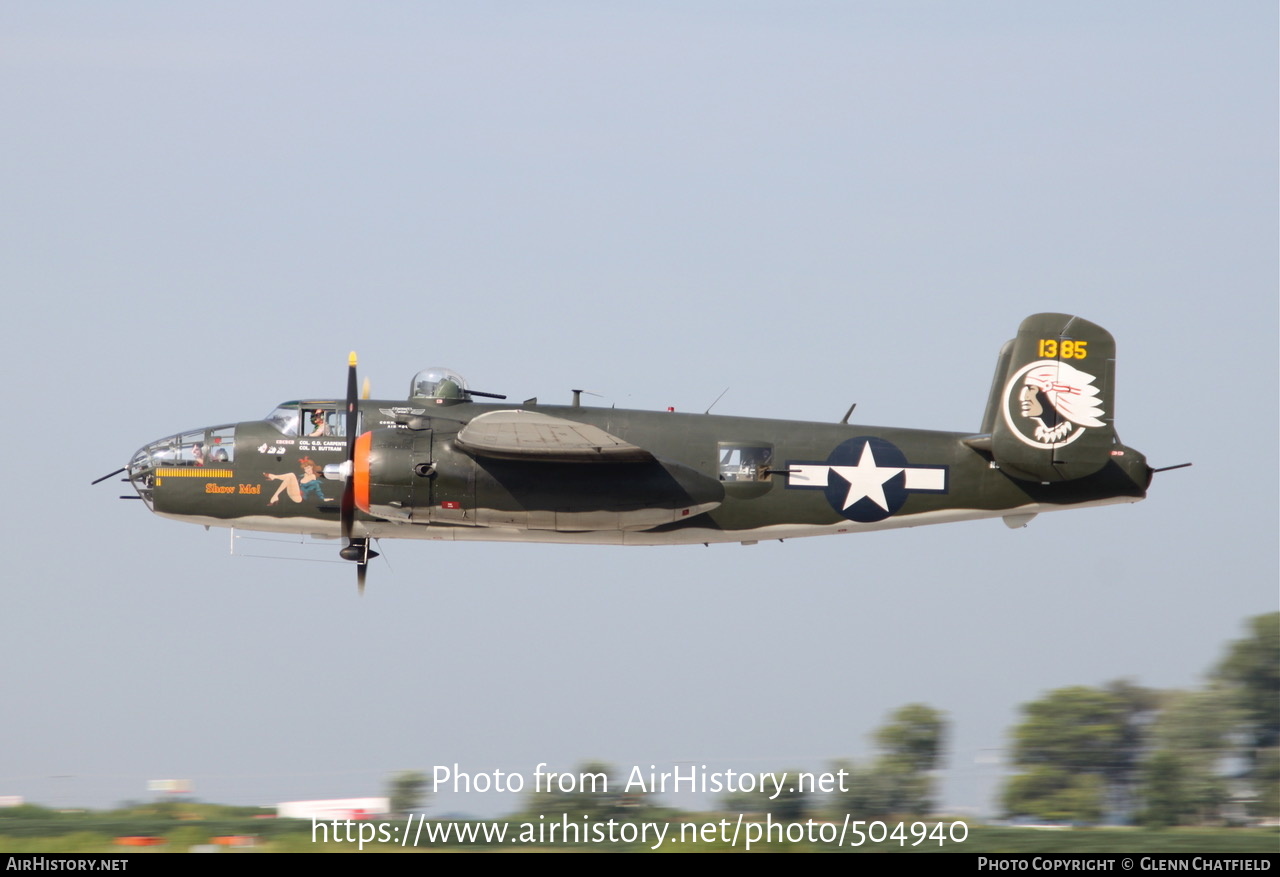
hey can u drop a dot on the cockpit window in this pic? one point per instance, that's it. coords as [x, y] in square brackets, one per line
[324, 421]
[285, 418]
[309, 419]
[208, 448]
[438, 383]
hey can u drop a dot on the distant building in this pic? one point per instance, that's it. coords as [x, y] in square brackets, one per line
[335, 808]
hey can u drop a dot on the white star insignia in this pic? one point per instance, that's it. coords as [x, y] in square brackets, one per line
[866, 479]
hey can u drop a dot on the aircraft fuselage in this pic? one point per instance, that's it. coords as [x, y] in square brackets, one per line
[711, 479]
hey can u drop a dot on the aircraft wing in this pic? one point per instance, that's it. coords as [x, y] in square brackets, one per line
[527, 435]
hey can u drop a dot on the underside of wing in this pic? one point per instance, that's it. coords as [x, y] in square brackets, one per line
[528, 435]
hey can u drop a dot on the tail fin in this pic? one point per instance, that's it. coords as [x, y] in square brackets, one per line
[1052, 405]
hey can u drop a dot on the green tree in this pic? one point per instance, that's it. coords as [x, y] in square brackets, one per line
[1251, 670]
[885, 788]
[1183, 780]
[914, 737]
[1165, 795]
[1054, 794]
[407, 790]
[1079, 748]
[1266, 779]
[899, 781]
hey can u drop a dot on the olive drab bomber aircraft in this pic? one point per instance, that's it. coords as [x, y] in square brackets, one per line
[442, 465]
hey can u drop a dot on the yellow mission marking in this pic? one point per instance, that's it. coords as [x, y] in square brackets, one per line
[194, 472]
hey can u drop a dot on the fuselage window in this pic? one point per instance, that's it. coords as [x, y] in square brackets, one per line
[744, 462]
[220, 445]
[208, 447]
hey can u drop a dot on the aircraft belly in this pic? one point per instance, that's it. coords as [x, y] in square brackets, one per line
[688, 535]
[698, 535]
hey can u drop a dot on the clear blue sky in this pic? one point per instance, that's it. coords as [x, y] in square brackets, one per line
[207, 207]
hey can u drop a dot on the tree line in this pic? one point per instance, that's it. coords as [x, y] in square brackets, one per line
[1118, 753]
[1122, 753]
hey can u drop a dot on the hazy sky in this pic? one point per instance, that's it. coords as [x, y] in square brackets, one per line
[207, 207]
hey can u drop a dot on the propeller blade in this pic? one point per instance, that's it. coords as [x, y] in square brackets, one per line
[365, 389]
[360, 553]
[349, 488]
[356, 549]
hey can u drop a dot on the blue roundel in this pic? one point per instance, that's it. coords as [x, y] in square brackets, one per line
[867, 479]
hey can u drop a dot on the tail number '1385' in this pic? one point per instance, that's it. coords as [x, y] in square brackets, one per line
[1052, 348]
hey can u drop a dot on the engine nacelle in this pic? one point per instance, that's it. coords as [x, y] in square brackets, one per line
[419, 476]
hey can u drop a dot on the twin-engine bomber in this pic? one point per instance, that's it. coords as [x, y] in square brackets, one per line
[443, 465]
